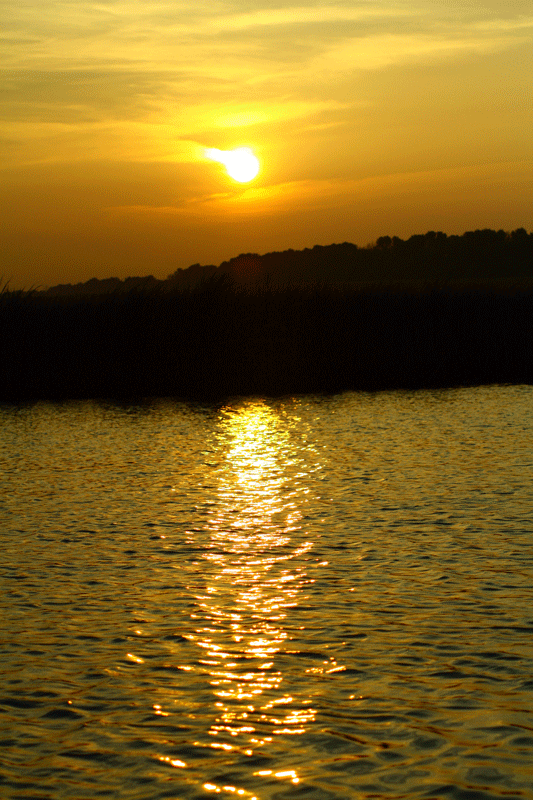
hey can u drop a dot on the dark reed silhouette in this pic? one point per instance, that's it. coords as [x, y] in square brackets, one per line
[433, 311]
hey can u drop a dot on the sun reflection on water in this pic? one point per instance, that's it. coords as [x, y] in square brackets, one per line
[255, 574]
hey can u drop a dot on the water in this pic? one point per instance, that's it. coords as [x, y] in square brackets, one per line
[312, 597]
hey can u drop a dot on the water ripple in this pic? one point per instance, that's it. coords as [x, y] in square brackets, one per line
[309, 597]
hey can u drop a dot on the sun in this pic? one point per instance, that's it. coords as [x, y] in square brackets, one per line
[241, 164]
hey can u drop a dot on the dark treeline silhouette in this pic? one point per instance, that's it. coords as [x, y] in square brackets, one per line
[482, 256]
[239, 330]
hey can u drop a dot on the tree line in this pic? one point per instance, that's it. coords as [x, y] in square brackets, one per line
[481, 256]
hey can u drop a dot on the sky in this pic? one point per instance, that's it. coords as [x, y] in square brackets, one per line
[368, 119]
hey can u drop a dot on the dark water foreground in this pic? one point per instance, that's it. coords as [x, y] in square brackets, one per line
[220, 340]
[310, 597]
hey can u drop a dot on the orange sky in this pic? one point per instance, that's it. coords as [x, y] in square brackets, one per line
[369, 118]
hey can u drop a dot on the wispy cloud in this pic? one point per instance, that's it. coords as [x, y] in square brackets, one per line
[514, 24]
[304, 15]
[135, 61]
[378, 51]
[319, 195]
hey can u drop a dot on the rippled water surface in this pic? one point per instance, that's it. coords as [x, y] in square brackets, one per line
[313, 597]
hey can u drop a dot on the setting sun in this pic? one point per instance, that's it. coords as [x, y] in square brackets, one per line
[241, 164]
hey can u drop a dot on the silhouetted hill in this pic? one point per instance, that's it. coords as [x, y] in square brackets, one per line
[477, 257]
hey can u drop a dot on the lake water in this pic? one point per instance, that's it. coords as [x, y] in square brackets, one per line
[309, 597]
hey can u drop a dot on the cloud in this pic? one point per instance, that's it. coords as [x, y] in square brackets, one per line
[370, 207]
[383, 50]
[516, 24]
[303, 15]
[162, 50]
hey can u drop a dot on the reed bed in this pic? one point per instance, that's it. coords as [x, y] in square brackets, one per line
[220, 339]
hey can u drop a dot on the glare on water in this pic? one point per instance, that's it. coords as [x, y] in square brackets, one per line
[326, 597]
[251, 578]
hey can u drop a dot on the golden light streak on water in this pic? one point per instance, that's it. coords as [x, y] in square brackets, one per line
[255, 530]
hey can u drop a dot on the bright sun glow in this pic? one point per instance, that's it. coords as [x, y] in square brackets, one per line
[241, 164]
